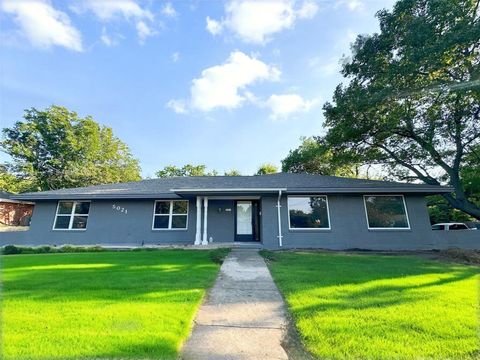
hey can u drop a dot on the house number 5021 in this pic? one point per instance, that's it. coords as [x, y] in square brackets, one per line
[119, 208]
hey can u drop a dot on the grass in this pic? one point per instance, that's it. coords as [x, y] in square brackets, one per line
[110, 305]
[379, 306]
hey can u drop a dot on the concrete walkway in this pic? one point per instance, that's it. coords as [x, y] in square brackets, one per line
[243, 317]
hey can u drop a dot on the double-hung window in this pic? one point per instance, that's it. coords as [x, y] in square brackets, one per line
[71, 215]
[170, 215]
[386, 212]
[308, 213]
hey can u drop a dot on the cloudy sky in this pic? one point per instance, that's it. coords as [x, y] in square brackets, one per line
[228, 84]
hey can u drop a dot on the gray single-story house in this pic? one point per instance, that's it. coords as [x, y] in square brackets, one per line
[275, 211]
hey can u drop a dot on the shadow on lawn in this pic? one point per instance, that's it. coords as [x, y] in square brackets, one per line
[353, 281]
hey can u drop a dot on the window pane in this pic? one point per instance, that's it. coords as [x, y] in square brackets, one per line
[308, 212]
[82, 208]
[160, 222]
[180, 207]
[386, 212]
[438, 227]
[62, 222]
[65, 207]
[179, 222]
[162, 207]
[79, 222]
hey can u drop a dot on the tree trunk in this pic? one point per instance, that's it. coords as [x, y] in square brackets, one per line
[463, 205]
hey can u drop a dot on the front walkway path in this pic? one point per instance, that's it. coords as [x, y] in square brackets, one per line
[243, 316]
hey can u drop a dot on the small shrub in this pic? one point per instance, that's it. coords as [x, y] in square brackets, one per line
[15, 250]
[218, 255]
[268, 255]
[11, 250]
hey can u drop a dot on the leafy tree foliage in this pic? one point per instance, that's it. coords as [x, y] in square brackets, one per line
[314, 157]
[267, 168]
[186, 170]
[413, 100]
[232, 172]
[54, 148]
[11, 182]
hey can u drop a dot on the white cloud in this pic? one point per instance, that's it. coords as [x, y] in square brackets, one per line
[226, 85]
[106, 39]
[175, 56]
[109, 10]
[283, 106]
[255, 21]
[169, 11]
[214, 27]
[43, 25]
[179, 106]
[352, 5]
[143, 31]
[308, 10]
[223, 85]
[355, 5]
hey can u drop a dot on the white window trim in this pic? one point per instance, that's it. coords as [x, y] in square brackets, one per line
[309, 229]
[72, 215]
[386, 228]
[170, 216]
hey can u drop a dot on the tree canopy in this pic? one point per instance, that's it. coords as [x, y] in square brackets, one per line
[54, 148]
[314, 157]
[267, 168]
[185, 170]
[412, 102]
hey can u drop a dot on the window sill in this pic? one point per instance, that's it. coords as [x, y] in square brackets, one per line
[155, 230]
[389, 230]
[70, 230]
[310, 230]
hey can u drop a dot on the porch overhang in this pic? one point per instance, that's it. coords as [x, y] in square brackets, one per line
[233, 193]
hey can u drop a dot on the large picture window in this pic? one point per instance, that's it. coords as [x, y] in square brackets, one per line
[308, 212]
[170, 215]
[386, 212]
[71, 215]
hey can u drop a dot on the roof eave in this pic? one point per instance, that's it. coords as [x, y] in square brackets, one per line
[33, 197]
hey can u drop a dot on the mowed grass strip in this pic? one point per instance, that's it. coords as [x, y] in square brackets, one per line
[113, 305]
[380, 307]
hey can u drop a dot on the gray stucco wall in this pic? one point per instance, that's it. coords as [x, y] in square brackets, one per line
[349, 230]
[105, 226]
[221, 223]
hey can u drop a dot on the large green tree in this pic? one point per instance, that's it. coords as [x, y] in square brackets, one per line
[54, 148]
[267, 168]
[185, 170]
[412, 102]
[314, 157]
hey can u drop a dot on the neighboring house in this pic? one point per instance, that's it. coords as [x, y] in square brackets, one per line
[14, 212]
[275, 211]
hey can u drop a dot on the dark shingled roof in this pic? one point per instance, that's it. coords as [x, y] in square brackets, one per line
[177, 186]
[5, 194]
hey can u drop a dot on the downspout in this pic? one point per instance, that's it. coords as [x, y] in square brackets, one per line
[279, 219]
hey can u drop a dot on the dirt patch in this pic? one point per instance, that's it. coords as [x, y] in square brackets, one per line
[470, 257]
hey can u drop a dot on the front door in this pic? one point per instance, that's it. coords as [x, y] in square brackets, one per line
[247, 221]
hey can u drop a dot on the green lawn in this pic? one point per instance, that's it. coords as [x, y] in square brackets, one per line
[380, 307]
[129, 305]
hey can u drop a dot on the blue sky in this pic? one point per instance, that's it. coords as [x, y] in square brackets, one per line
[228, 84]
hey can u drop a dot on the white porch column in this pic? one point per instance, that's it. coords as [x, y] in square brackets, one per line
[205, 221]
[198, 233]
